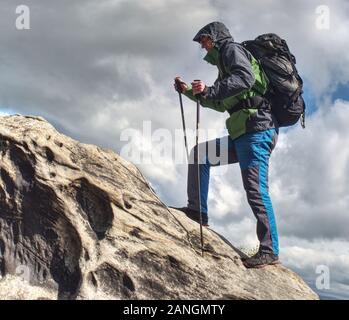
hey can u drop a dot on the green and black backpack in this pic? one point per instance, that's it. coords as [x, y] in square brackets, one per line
[285, 84]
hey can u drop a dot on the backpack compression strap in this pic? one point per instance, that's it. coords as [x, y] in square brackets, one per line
[249, 103]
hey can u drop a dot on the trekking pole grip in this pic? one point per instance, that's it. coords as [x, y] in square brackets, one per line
[178, 85]
[198, 95]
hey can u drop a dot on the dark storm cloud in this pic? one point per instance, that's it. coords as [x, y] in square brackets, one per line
[82, 57]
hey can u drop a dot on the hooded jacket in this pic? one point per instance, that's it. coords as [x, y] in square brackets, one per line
[239, 77]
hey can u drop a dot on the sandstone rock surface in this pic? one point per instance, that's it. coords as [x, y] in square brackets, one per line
[80, 222]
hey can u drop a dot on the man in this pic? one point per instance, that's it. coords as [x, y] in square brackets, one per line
[253, 133]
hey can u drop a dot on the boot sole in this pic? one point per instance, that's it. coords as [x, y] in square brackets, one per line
[260, 266]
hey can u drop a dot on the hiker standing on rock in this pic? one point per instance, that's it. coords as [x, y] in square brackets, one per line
[252, 128]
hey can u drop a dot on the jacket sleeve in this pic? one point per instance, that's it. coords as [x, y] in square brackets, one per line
[240, 78]
[212, 104]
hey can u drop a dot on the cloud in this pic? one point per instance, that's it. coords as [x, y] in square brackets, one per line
[313, 258]
[97, 68]
[100, 56]
[310, 174]
[320, 53]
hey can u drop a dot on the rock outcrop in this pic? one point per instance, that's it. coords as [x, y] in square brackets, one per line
[80, 222]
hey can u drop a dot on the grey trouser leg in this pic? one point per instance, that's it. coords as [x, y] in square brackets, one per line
[220, 151]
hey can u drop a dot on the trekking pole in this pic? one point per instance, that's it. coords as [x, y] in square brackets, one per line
[198, 166]
[178, 86]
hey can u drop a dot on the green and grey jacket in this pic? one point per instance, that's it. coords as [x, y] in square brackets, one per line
[240, 77]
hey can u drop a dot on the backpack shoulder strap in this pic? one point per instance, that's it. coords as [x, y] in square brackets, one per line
[221, 63]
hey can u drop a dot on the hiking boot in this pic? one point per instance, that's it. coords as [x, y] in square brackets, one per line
[247, 257]
[261, 259]
[194, 215]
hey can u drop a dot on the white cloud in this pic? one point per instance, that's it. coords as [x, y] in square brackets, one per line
[320, 54]
[241, 234]
[311, 174]
[307, 257]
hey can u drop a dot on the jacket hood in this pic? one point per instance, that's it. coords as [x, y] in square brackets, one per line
[217, 31]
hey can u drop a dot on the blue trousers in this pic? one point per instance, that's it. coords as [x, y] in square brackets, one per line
[252, 151]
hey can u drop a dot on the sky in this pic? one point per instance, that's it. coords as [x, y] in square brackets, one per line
[100, 70]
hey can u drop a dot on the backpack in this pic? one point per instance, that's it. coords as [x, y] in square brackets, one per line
[285, 84]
